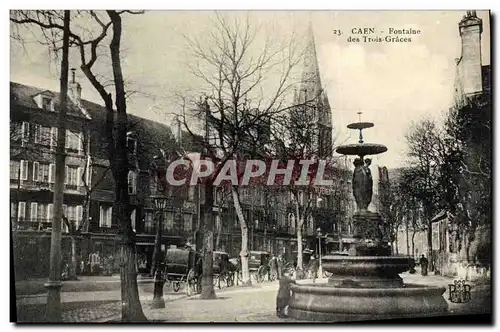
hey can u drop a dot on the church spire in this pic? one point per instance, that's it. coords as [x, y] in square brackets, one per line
[311, 81]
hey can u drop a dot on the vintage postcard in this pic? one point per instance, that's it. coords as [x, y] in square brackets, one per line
[250, 166]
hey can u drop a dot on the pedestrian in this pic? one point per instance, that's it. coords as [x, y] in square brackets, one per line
[280, 266]
[424, 264]
[412, 265]
[314, 267]
[284, 294]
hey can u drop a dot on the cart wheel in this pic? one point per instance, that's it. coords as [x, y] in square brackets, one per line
[230, 280]
[176, 286]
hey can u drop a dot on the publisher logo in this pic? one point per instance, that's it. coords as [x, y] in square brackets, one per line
[459, 292]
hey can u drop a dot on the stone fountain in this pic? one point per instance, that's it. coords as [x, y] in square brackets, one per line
[365, 285]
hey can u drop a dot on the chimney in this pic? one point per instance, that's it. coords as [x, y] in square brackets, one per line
[75, 90]
[470, 65]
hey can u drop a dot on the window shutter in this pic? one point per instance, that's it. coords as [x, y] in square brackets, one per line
[67, 139]
[132, 219]
[66, 173]
[24, 170]
[37, 133]
[80, 142]
[36, 170]
[21, 211]
[79, 213]
[101, 217]
[110, 216]
[34, 211]
[65, 209]
[26, 132]
[50, 212]
[53, 136]
[78, 176]
[52, 173]
[135, 182]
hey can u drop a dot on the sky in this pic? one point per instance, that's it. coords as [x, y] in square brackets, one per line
[392, 84]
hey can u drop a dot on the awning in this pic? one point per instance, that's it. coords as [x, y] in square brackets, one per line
[144, 244]
[348, 240]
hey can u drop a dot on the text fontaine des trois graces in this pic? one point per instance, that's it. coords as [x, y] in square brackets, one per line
[374, 35]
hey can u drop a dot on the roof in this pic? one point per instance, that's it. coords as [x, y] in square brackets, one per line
[23, 95]
[158, 134]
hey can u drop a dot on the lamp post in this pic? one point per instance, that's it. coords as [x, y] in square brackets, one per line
[320, 269]
[160, 202]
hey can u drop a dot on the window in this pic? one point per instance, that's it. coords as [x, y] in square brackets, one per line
[47, 103]
[16, 131]
[24, 170]
[43, 212]
[21, 211]
[14, 169]
[131, 145]
[168, 221]
[52, 173]
[132, 182]
[73, 140]
[25, 133]
[191, 193]
[53, 137]
[34, 211]
[148, 222]
[188, 222]
[105, 216]
[41, 172]
[43, 135]
[72, 176]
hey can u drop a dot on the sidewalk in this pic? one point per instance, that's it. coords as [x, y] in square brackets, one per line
[35, 287]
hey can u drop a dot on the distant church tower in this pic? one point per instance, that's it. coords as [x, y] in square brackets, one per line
[310, 89]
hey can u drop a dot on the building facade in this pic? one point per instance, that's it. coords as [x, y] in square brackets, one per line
[89, 185]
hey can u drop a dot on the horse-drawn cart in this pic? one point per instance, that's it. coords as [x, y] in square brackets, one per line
[183, 266]
[258, 264]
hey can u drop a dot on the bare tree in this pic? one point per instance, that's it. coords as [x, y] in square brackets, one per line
[233, 70]
[88, 42]
[296, 137]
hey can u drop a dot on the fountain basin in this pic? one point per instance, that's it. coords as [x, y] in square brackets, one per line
[361, 149]
[322, 302]
[383, 266]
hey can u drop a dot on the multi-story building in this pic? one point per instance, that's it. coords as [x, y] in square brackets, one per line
[270, 212]
[89, 185]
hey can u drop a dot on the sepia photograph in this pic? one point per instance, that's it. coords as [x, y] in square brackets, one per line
[250, 166]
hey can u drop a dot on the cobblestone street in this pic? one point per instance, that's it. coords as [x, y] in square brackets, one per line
[235, 304]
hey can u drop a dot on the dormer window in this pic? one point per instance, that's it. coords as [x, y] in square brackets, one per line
[131, 143]
[47, 103]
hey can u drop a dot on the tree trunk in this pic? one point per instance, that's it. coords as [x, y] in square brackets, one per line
[131, 305]
[299, 223]
[53, 307]
[219, 230]
[408, 242]
[413, 243]
[245, 272]
[207, 281]
[73, 265]
[429, 246]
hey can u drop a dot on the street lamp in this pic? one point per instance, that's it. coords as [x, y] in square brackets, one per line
[160, 202]
[320, 269]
